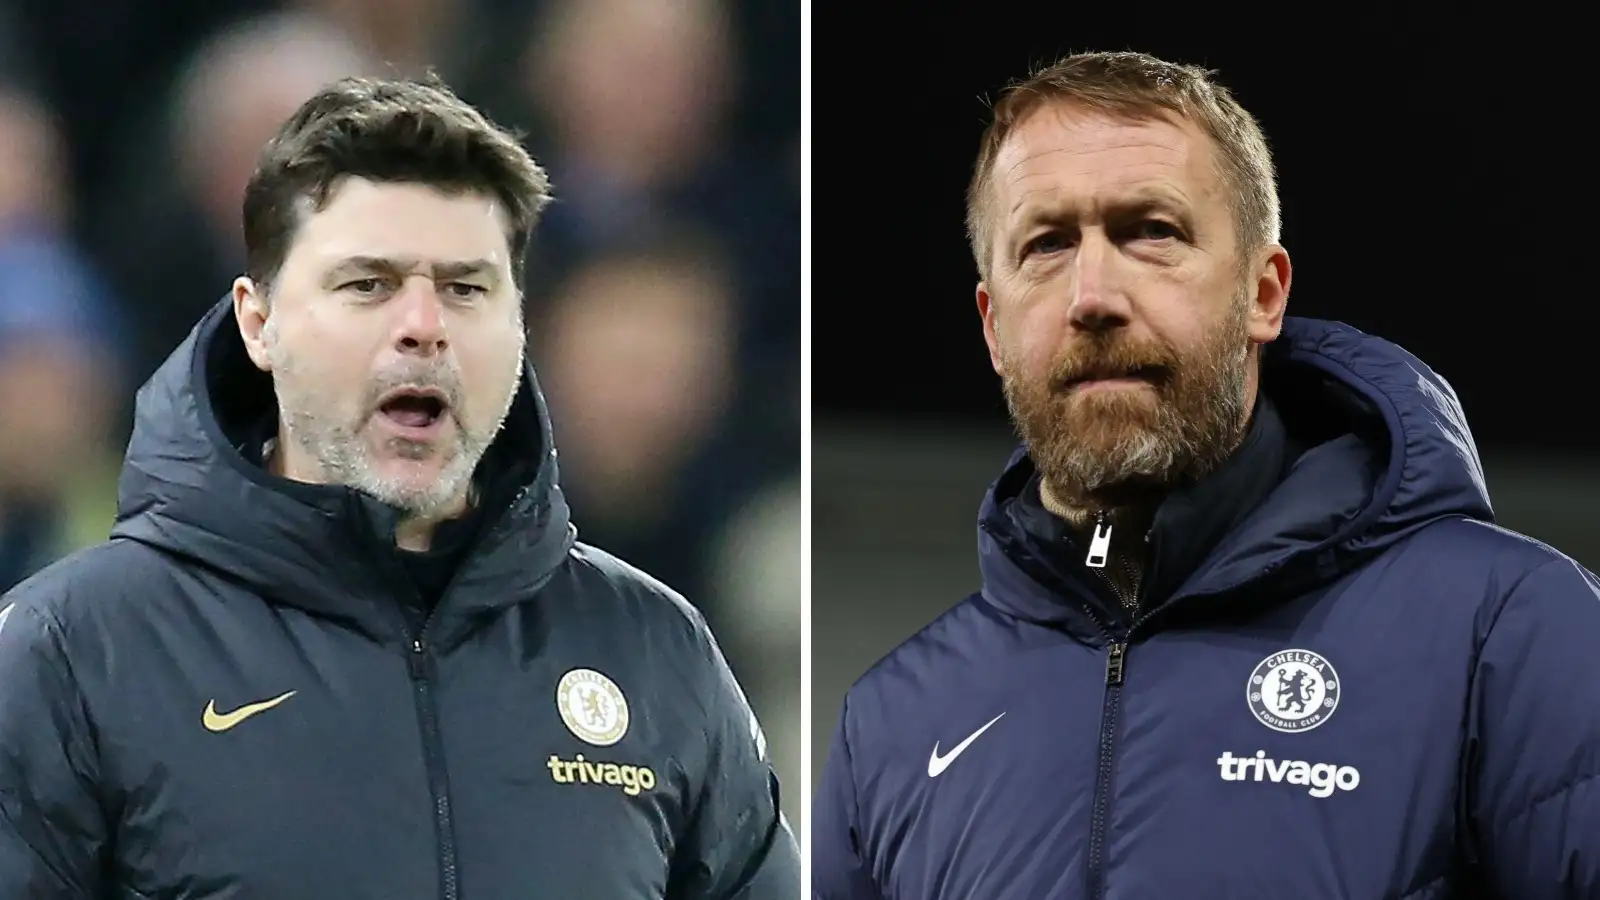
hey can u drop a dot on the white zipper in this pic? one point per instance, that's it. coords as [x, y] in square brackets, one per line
[1100, 544]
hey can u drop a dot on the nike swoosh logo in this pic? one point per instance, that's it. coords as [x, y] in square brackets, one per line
[215, 721]
[937, 763]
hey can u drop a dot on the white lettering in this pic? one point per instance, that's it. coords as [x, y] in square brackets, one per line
[1297, 656]
[1347, 774]
[1226, 762]
[1322, 778]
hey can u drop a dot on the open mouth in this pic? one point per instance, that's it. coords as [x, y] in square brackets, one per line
[414, 407]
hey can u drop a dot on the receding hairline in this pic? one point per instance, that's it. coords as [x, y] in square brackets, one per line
[984, 192]
[1137, 86]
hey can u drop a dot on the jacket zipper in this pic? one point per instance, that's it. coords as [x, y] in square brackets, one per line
[420, 663]
[1111, 711]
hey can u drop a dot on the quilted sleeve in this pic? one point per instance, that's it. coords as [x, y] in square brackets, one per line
[1534, 739]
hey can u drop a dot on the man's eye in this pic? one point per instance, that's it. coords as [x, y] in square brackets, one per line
[1047, 244]
[1156, 230]
[363, 286]
[465, 291]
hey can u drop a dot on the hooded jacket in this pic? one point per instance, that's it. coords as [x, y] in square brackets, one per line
[1343, 681]
[227, 699]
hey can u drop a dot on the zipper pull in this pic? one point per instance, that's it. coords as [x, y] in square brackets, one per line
[1114, 663]
[418, 659]
[1100, 545]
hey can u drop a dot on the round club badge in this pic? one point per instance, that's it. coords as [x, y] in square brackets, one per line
[592, 707]
[1293, 691]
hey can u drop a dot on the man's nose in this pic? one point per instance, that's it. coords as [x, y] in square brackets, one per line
[1098, 302]
[420, 328]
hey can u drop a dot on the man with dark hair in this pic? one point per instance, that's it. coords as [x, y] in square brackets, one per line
[342, 641]
[1246, 629]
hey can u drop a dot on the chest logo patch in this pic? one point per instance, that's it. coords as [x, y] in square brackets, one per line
[1293, 691]
[592, 707]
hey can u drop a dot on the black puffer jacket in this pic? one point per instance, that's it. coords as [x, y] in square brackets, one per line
[226, 699]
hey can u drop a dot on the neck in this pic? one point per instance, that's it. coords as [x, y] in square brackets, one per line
[1123, 525]
[1082, 516]
[415, 533]
[1076, 516]
[1115, 532]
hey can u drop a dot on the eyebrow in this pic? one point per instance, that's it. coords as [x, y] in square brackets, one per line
[443, 270]
[1026, 214]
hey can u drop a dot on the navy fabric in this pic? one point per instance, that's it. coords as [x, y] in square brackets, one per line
[1366, 690]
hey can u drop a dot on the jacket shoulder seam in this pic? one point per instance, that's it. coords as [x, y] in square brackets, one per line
[915, 638]
[1505, 600]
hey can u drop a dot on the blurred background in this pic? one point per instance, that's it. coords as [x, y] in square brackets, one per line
[664, 292]
[1430, 196]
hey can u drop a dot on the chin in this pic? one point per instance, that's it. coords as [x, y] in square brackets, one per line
[426, 500]
[426, 465]
[388, 473]
[1109, 426]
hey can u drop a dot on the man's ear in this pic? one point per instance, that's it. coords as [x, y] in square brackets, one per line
[1270, 297]
[986, 312]
[250, 311]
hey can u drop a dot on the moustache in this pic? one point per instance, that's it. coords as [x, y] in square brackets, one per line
[441, 381]
[1121, 360]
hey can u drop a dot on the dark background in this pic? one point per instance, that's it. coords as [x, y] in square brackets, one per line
[1427, 195]
[1435, 187]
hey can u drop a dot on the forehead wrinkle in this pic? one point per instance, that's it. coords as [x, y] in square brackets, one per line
[1137, 188]
[1046, 201]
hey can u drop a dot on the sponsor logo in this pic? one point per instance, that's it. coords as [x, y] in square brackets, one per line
[220, 722]
[1293, 691]
[937, 764]
[592, 707]
[631, 780]
[1322, 778]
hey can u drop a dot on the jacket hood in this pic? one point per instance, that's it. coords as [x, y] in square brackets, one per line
[187, 489]
[1389, 452]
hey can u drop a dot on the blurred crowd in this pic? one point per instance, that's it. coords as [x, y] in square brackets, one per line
[663, 291]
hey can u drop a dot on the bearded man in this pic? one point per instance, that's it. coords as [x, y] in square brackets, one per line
[343, 641]
[1246, 629]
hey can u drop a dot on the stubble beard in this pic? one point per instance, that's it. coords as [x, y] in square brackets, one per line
[344, 455]
[1116, 448]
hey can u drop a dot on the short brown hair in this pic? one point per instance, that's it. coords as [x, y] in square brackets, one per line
[1140, 86]
[406, 131]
